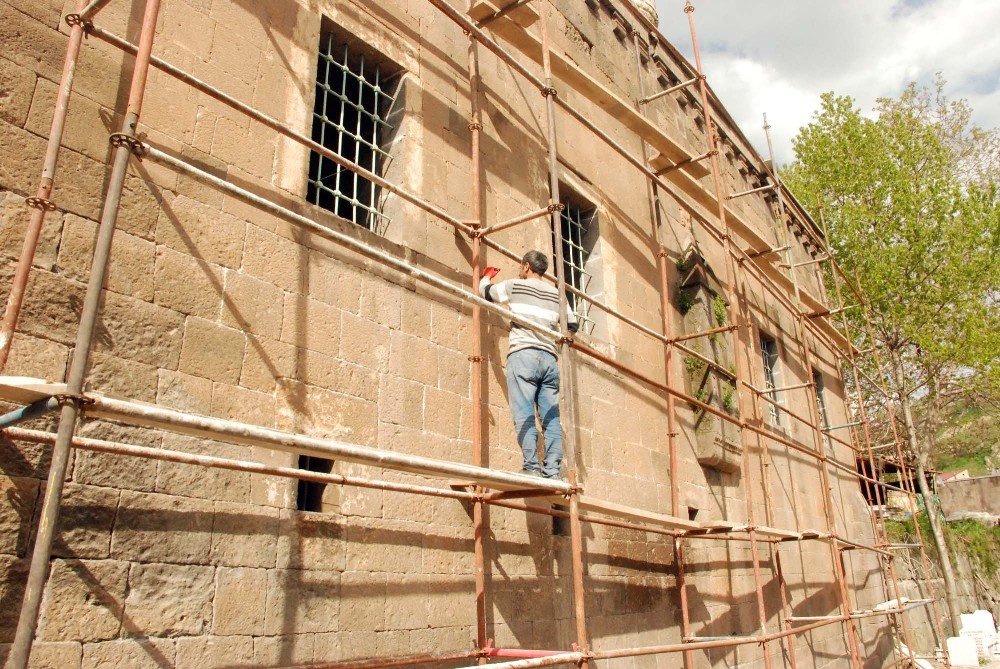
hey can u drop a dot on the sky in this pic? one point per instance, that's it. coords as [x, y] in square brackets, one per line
[778, 56]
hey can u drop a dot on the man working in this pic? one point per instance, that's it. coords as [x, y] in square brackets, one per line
[532, 367]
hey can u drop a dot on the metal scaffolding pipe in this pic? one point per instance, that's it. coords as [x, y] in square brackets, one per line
[75, 378]
[524, 218]
[40, 203]
[88, 12]
[733, 196]
[33, 410]
[668, 91]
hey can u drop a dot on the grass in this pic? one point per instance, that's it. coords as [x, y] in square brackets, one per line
[979, 541]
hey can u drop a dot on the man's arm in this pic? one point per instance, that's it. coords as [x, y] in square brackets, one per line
[490, 291]
[571, 322]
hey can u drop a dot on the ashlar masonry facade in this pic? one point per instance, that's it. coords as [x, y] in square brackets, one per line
[220, 308]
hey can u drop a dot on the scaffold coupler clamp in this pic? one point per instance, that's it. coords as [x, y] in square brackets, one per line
[40, 203]
[135, 145]
[80, 400]
[566, 339]
[549, 90]
[556, 206]
[77, 20]
[475, 358]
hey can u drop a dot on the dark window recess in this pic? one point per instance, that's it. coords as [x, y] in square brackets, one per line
[769, 355]
[560, 526]
[820, 388]
[355, 96]
[579, 234]
[310, 493]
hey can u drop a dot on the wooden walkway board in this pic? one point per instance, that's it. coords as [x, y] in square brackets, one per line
[622, 110]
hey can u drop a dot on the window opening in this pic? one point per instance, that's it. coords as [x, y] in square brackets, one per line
[769, 353]
[579, 231]
[310, 493]
[355, 95]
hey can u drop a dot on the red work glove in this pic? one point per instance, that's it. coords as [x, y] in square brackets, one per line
[491, 272]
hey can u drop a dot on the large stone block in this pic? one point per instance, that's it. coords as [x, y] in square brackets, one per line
[335, 282]
[16, 515]
[310, 541]
[413, 358]
[364, 342]
[240, 595]
[211, 350]
[301, 601]
[188, 284]
[184, 392]
[85, 522]
[363, 601]
[284, 650]
[120, 377]
[240, 404]
[131, 267]
[401, 401]
[310, 324]
[51, 307]
[131, 653]
[266, 361]
[324, 413]
[51, 655]
[252, 305]
[14, 217]
[139, 331]
[83, 600]
[35, 357]
[153, 527]
[244, 535]
[175, 478]
[276, 260]
[194, 228]
[169, 599]
[214, 652]
[116, 471]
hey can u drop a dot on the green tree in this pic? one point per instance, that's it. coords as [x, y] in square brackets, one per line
[910, 197]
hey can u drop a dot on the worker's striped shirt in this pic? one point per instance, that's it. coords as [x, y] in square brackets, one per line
[531, 299]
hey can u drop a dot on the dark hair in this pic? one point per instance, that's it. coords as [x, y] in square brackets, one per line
[536, 260]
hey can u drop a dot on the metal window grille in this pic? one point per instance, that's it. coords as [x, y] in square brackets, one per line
[353, 99]
[769, 353]
[576, 224]
[820, 388]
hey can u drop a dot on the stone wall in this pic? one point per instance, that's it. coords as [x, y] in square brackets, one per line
[979, 494]
[217, 308]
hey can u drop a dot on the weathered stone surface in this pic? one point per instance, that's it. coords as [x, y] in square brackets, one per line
[244, 535]
[120, 377]
[132, 653]
[83, 600]
[363, 601]
[36, 357]
[175, 478]
[240, 596]
[211, 350]
[116, 471]
[152, 528]
[274, 651]
[85, 521]
[190, 227]
[301, 601]
[275, 259]
[265, 361]
[214, 652]
[169, 599]
[14, 217]
[51, 307]
[188, 284]
[131, 268]
[253, 305]
[310, 541]
[323, 413]
[19, 495]
[311, 324]
[51, 655]
[139, 331]
[184, 392]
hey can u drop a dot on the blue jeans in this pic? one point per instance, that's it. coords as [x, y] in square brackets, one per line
[533, 380]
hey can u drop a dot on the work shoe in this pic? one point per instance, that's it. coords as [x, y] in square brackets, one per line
[532, 472]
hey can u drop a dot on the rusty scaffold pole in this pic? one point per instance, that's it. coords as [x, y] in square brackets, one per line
[124, 142]
[817, 430]
[41, 203]
[565, 351]
[875, 489]
[480, 431]
[666, 311]
[738, 315]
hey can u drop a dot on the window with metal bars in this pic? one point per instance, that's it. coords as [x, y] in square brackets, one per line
[352, 116]
[579, 233]
[820, 388]
[769, 354]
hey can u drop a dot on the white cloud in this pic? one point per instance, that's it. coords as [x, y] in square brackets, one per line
[778, 57]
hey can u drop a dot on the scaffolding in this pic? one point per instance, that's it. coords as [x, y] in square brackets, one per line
[670, 171]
